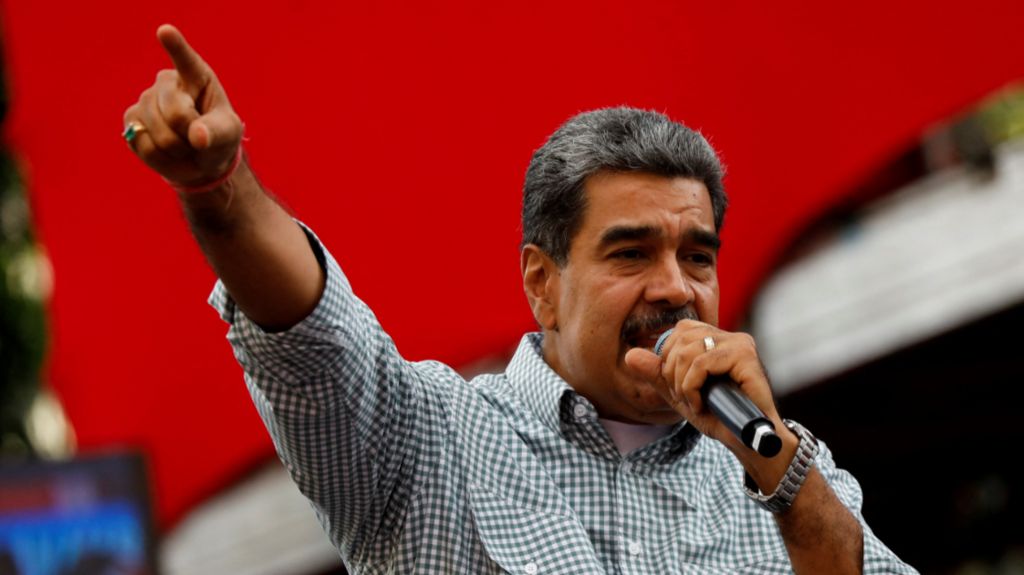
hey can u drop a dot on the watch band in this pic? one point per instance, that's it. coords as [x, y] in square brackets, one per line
[782, 498]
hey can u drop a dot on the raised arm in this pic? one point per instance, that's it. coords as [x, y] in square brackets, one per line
[184, 128]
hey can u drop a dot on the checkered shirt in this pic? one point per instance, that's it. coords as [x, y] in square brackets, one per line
[412, 469]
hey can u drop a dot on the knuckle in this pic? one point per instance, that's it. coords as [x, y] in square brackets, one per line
[178, 123]
[748, 341]
[166, 75]
[165, 141]
[168, 100]
[145, 149]
[667, 370]
[695, 381]
[691, 395]
[750, 373]
[173, 113]
[685, 324]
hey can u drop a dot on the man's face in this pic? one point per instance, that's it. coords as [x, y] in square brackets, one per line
[644, 258]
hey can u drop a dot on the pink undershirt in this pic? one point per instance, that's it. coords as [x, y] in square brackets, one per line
[630, 436]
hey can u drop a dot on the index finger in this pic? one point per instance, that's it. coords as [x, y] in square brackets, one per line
[193, 70]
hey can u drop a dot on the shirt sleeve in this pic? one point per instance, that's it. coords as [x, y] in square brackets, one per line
[878, 559]
[347, 414]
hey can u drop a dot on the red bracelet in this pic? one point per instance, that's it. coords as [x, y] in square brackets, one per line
[214, 184]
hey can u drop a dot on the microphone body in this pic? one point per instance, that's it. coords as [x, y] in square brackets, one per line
[736, 411]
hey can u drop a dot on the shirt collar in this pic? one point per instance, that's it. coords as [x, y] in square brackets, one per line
[548, 396]
[540, 387]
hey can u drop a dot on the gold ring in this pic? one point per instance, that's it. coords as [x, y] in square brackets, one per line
[132, 130]
[709, 343]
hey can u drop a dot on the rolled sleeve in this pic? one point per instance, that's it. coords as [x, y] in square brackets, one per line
[344, 409]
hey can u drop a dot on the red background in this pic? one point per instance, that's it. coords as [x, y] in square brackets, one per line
[400, 132]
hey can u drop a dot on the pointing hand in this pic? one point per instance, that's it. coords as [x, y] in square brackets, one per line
[184, 126]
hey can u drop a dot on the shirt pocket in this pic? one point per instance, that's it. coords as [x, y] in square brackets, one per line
[524, 540]
[720, 531]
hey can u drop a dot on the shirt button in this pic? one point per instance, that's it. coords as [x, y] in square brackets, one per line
[634, 549]
[530, 567]
[580, 411]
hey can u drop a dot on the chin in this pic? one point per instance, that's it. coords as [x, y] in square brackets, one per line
[650, 408]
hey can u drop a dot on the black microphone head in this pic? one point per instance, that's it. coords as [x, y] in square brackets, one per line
[759, 433]
[770, 445]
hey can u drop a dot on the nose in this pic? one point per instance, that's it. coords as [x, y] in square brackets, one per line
[668, 284]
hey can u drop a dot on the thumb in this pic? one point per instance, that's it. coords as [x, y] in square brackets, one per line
[220, 128]
[644, 363]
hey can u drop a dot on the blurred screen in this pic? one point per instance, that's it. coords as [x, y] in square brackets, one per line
[79, 517]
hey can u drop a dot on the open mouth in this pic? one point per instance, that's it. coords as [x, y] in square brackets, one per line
[646, 339]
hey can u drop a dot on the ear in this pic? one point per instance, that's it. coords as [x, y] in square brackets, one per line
[541, 284]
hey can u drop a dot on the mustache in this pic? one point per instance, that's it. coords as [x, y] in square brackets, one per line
[655, 322]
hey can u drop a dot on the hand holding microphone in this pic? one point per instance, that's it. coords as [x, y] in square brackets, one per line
[734, 409]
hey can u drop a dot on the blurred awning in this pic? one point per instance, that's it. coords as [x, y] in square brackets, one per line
[940, 253]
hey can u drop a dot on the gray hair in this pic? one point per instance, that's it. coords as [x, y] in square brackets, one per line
[614, 139]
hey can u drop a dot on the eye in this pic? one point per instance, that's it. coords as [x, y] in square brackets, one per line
[702, 259]
[629, 254]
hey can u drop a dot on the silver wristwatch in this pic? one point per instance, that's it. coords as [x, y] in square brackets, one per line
[782, 498]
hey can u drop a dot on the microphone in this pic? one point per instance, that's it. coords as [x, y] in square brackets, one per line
[736, 411]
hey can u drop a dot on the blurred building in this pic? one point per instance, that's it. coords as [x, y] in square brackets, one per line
[890, 328]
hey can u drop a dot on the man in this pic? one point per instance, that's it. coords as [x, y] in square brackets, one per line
[591, 453]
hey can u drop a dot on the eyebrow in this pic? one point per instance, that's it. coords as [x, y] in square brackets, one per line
[704, 238]
[616, 234]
